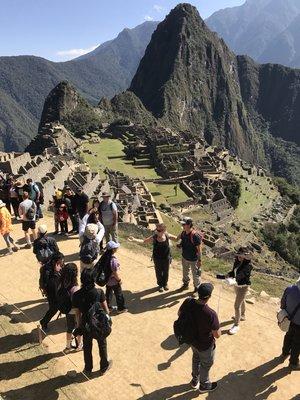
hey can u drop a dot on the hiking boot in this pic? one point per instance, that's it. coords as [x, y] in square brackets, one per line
[185, 286]
[160, 289]
[166, 288]
[243, 318]
[294, 367]
[283, 357]
[194, 383]
[124, 310]
[104, 370]
[9, 251]
[208, 388]
[16, 248]
[87, 372]
[28, 246]
[233, 330]
[68, 350]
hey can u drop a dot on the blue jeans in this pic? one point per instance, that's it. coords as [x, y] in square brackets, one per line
[202, 363]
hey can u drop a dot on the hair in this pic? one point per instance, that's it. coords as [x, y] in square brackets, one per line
[55, 258]
[29, 180]
[87, 278]
[69, 275]
[95, 201]
[161, 226]
[25, 195]
[92, 218]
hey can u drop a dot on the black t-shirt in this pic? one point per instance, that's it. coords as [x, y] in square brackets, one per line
[84, 298]
[189, 243]
[161, 250]
[206, 321]
[82, 202]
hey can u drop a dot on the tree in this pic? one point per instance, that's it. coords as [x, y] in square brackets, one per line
[233, 191]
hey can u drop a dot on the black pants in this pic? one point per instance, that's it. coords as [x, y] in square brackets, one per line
[291, 343]
[162, 271]
[117, 290]
[63, 226]
[74, 220]
[88, 355]
[15, 205]
[50, 313]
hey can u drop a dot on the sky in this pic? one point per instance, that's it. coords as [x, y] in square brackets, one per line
[60, 30]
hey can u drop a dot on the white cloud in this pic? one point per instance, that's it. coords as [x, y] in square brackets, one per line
[158, 8]
[148, 18]
[72, 53]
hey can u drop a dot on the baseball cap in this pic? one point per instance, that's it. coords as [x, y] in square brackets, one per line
[186, 221]
[112, 245]
[42, 229]
[205, 290]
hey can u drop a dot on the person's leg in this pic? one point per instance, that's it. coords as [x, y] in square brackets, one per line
[71, 323]
[108, 295]
[158, 272]
[243, 305]
[238, 305]
[7, 241]
[15, 206]
[107, 233]
[295, 344]
[196, 274]
[103, 355]
[87, 352]
[195, 365]
[206, 361]
[114, 233]
[49, 314]
[8, 205]
[27, 238]
[185, 272]
[119, 297]
[34, 234]
[165, 272]
[66, 226]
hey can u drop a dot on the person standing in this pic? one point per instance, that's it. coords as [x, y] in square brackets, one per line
[63, 216]
[205, 328]
[34, 195]
[44, 247]
[191, 243]
[70, 201]
[50, 283]
[89, 247]
[290, 302]
[241, 272]
[82, 203]
[27, 212]
[82, 301]
[6, 228]
[161, 254]
[109, 217]
[14, 199]
[114, 284]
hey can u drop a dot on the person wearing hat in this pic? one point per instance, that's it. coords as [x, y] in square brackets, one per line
[57, 201]
[6, 228]
[191, 243]
[109, 217]
[44, 247]
[241, 272]
[290, 302]
[114, 284]
[206, 329]
[89, 247]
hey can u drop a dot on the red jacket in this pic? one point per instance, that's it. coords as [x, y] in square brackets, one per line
[62, 215]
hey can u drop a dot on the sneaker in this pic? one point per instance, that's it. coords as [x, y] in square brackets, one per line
[28, 246]
[10, 251]
[125, 310]
[234, 329]
[16, 248]
[68, 350]
[208, 388]
[194, 383]
[87, 372]
[104, 370]
[243, 318]
[166, 288]
[80, 347]
[294, 367]
[160, 289]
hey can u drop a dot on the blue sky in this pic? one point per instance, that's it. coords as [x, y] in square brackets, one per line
[63, 29]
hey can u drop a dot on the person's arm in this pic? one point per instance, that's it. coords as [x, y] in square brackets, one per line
[37, 191]
[217, 334]
[199, 252]
[216, 330]
[173, 237]
[145, 241]
[105, 307]
[115, 215]
[283, 301]
[100, 234]
[21, 211]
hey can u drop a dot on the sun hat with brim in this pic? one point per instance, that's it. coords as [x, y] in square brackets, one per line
[19, 183]
[112, 245]
[42, 229]
[2, 204]
[91, 231]
[105, 194]
[186, 221]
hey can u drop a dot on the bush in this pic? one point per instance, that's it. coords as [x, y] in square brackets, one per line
[233, 191]
[287, 190]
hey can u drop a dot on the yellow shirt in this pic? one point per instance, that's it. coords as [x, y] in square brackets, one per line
[5, 221]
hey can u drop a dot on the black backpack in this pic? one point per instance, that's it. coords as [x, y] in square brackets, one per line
[45, 272]
[30, 213]
[89, 250]
[98, 323]
[102, 270]
[44, 250]
[184, 326]
[63, 299]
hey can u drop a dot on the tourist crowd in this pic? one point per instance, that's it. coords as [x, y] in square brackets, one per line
[88, 308]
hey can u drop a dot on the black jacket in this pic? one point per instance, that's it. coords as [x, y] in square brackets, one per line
[54, 285]
[241, 272]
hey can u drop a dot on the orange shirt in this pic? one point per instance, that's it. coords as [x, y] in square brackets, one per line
[5, 221]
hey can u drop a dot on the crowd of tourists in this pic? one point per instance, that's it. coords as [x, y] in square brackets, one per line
[85, 295]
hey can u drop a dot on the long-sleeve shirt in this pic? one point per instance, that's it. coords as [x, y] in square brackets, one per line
[290, 300]
[83, 224]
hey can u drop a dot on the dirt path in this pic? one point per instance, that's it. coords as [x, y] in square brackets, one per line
[148, 365]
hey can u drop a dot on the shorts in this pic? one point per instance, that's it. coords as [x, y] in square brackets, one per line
[71, 322]
[28, 225]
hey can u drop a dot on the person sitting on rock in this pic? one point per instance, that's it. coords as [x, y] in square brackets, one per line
[241, 272]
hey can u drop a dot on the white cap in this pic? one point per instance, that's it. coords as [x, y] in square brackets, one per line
[112, 245]
[42, 229]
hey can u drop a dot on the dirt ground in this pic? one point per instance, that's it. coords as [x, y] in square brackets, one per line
[147, 363]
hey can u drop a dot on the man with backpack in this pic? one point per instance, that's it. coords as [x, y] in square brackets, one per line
[290, 302]
[198, 325]
[93, 321]
[27, 212]
[44, 247]
[35, 195]
[109, 217]
[89, 248]
[191, 254]
[50, 283]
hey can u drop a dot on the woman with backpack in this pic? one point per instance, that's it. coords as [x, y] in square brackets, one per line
[89, 247]
[161, 254]
[113, 285]
[241, 272]
[6, 228]
[69, 286]
[92, 218]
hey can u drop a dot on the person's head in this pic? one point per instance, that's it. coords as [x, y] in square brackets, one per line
[187, 224]
[106, 197]
[96, 203]
[62, 207]
[57, 262]
[243, 254]
[25, 195]
[87, 278]
[205, 291]
[93, 217]
[68, 191]
[69, 275]
[79, 190]
[112, 246]
[42, 230]
[91, 231]
[161, 229]
[29, 181]
[58, 194]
